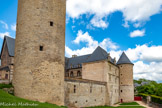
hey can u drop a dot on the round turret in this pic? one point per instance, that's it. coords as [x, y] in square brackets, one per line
[126, 79]
[40, 50]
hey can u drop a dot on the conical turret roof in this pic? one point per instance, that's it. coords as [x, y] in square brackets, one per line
[124, 59]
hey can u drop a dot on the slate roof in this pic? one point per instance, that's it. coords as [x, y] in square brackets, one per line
[10, 45]
[124, 59]
[98, 55]
[5, 68]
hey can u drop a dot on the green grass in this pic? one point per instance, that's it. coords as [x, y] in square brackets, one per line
[118, 107]
[5, 86]
[124, 106]
[7, 98]
[131, 103]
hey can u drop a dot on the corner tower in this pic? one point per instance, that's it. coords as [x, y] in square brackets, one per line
[39, 50]
[126, 79]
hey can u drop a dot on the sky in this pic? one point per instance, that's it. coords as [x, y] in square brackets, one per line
[132, 26]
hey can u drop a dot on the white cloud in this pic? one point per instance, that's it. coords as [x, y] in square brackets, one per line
[133, 10]
[145, 53]
[4, 34]
[13, 27]
[151, 71]
[147, 61]
[137, 25]
[4, 24]
[90, 46]
[137, 33]
[108, 44]
[98, 22]
[126, 25]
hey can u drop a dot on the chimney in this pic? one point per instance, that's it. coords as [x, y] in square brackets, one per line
[109, 57]
[73, 56]
[114, 60]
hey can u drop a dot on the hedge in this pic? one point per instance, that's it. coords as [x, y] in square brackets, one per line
[5, 86]
[156, 99]
[144, 96]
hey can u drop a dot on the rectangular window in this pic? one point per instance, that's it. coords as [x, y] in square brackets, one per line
[6, 76]
[91, 89]
[41, 48]
[110, 67]
[51, 23]
[74, 88]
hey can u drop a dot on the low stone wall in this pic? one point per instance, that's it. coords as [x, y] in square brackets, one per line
[155, 105]
[151, 104]
[82, 93]
[4, 81]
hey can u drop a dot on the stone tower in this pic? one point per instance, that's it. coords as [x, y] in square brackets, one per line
[39, 50]
[126, 79]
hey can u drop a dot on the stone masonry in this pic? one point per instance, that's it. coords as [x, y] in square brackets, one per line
[39, 50]
[126, 83]
[41, 72]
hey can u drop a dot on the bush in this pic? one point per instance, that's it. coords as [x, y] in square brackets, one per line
[144, 96]
[156, 99]
[5, 86]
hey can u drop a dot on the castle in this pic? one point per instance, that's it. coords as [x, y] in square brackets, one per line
[40, 71]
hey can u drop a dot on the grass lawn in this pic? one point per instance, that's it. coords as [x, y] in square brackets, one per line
[131, 103]
[10, 99]
[124, 106]
[118, 107]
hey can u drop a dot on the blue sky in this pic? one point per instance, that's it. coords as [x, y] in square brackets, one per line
[116, 25]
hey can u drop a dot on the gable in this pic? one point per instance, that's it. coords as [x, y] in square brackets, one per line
[9, 45]
[4, 50]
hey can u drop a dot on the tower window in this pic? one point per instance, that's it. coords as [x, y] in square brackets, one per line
[74, 88]
[121, 90]
[41, 48]
[51, 23]
[91, 89]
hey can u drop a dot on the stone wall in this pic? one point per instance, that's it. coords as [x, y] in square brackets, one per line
[5, 58]
[107, 72]
[7, 64]
[112, 83]
[40, 50]
[84, 93]
[126, 83]
[94, 71]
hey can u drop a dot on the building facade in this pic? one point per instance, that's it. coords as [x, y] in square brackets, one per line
[7, 60]
[42, 72]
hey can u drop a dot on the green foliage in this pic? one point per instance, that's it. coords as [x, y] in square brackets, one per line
[152, 88]
[7, 98]
[5, 86]
[156, 99]
[131, 103]
[144, 96]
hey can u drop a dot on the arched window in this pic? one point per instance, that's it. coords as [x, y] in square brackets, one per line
[78, 73]
[71, 74]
